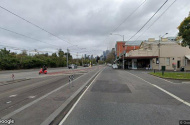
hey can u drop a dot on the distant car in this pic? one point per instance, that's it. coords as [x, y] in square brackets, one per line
[109, 64]
[86, 65]
[114, 66]
[72, 66]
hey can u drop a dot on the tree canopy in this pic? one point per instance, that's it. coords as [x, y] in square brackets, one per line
[184, 31]
[10, 60]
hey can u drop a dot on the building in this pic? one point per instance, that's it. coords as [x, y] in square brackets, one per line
[119, 48]
[174, 39]
[153, 54]
[85, 56]
[91, 57]
[123, 48]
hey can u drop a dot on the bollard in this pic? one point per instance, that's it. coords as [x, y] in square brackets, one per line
[69, 81]
[72, 78]
[13, 76]
[154, 71]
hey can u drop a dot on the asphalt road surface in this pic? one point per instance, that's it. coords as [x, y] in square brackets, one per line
[120, 97]
[31, 73]
[32, 101]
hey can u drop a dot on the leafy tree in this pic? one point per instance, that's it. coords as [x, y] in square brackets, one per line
[110, 57]
[54, 55]
[184, 31]
[60, 53]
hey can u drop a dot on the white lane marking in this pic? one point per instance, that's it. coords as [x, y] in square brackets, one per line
[12, 96]
[66, 116]
[35, 101]
[186, 82]
[31, 97]
[163, 90]
[164, 79]
[8, 102]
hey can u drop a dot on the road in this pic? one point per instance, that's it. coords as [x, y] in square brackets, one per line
[30, 73]
[32, 101]
[118, 97]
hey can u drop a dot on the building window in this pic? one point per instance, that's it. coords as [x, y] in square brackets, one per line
[185, 62]
[167, 61]
[157, 61]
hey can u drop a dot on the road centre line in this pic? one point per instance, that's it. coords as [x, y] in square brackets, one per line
[8, 102]
[35, 101]
[13, 95]
[163, 90]
[66, 116]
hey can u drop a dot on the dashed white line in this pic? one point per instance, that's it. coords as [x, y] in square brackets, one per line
[35, 101]
[163, 90]
[8, 102]
[63, 120]
[12, 96]
[31, 97]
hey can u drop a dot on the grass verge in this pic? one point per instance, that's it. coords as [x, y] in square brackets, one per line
[172, 75]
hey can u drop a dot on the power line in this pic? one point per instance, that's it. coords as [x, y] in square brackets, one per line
[33, 24]
[125, 19]
[148, 20]
[26, 36]
[128, 16]
[157, 19]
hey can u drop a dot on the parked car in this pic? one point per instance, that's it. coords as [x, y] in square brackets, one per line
[86, 65]
[114, 66]
[72, 66]
[109, 64]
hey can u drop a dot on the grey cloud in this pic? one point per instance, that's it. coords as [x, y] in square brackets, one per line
[86, 23]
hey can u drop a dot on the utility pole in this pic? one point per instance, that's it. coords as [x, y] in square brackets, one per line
[160, 38]
[159, 54]
[82, 60]
[123, 53]
[67, 57]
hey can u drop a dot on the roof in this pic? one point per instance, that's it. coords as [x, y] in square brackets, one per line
[156, 42]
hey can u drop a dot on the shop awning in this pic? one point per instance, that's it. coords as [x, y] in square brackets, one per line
[141, 57]
[188, 57]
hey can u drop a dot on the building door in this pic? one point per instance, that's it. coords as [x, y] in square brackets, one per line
[150, 64]
[178, 64]
[134, 63]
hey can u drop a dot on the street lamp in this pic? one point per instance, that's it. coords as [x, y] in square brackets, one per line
[123, 47]
[160, 37]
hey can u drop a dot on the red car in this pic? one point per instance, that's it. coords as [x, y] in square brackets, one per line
[42, 72]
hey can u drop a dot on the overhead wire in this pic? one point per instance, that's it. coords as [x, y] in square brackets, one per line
[125, 19]
[35, 25]
[27, 36]
[157, 18]
[148, 20]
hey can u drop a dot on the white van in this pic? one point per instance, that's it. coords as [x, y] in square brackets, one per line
[114, 66]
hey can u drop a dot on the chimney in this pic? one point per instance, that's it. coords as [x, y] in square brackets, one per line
[151, 40]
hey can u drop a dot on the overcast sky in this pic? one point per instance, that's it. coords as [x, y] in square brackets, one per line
[86, 23]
